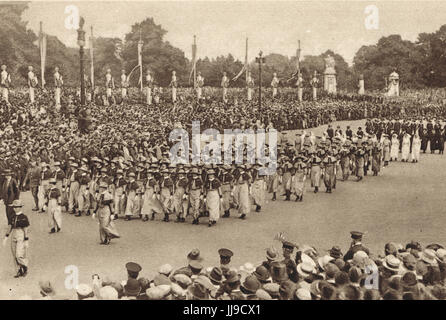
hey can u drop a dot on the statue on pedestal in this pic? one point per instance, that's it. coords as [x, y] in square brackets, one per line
[249, 85]
[275, 84]
[330, 75]
[173, 84]
[225, 85]
[394, 85]
[300, 85]
[314, 83]
[361, 85]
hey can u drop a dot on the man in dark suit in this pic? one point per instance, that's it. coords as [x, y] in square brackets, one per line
[10, 192]
[356, 245]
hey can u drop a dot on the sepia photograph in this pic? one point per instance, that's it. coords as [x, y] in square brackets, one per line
[222, 150]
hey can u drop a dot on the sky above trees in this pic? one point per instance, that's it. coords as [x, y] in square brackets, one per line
[274, 27]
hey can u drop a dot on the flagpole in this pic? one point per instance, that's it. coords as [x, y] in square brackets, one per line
[140, 44]
[42, 63]
[195, 62]
[246, 59]
[298, 57]
[92, 59]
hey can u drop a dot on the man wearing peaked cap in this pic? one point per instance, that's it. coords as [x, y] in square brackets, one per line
[225, 260]
[356, 245]
[133, 270]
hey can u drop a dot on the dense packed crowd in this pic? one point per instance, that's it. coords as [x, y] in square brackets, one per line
[113, 161]
[409, 272]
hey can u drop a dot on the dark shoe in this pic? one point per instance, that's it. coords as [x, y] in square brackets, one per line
[35, 209]
[274, 197]
[258, 208]
[226, 215]
[53, 230]
[243, 216]
[88, 213]
[127, 218]
[301, 198]
[145, 218]
[166, 219]
[153, 217]
[58, 229]
[24, 271]
[19, 273]
[210, 224]
[78, 214]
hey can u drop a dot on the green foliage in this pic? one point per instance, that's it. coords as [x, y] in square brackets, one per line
[419, 64]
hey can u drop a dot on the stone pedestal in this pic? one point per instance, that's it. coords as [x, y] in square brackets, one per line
[330, 82]
[361, 90]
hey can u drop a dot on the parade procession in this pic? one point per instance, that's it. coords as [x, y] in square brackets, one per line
[100, 152]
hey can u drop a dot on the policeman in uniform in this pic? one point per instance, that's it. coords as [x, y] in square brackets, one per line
[225, 85]
[58, 82]
[32, 84]
[225, 260]
[356, 245]
[133, 270]
[5, 82]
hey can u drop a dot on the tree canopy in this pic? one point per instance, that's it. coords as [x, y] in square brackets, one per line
[420, 64]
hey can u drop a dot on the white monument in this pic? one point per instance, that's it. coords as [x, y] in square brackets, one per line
[361, 89]
[330, 75]
[394, 85]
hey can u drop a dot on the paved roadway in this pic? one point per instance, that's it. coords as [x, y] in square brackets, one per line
[405, 202]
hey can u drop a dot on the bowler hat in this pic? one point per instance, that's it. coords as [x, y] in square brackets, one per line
[216, 275]
[250, 285]
[261, 273]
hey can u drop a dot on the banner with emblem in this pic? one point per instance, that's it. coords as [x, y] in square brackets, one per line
[42, 48]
